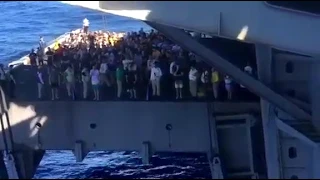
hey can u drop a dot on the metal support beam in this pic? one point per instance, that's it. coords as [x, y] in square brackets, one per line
[226, 67]
[294, 133]
[270, 129]
[249, 139]
[80, 151]
[215, 167]
[212, 128]
[146, 152]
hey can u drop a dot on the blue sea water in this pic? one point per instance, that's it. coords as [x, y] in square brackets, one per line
[21, 25]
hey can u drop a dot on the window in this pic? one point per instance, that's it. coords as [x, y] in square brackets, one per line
[294, 177]
[289, 67]
[304, 6]
[292, 153]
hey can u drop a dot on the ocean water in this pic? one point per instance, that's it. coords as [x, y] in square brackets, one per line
[21, 25]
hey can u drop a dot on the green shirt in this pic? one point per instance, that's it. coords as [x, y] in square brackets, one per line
[119, 74]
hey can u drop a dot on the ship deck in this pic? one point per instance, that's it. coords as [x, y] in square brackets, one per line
[26, 85]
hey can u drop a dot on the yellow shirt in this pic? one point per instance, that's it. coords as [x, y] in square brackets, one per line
[214, 77]
[56, 45]
[111, 41]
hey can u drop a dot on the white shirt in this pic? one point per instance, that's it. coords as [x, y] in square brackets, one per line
[193, 74]
[203, 79]
[247, 69]
[40, 77]
[42, 44]
[126, 62]
[69, 75]
[176, 48]
[86, 22]
[171, 67]
[103, 68]
[150, 64]
[156, 73]
[94, 73]
[85, 78]
[227, 80]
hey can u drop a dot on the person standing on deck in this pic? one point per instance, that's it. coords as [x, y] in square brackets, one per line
[205, 82]
[40, 82]
[155, 77]
[94, 74]
[70, 84]
[85, 25]
[39, 56]
[54, 81]
[215, 83]
[42, 43]
[178, 81]
[141, 31]
[49, 54]
[131, 80]
[228, 86]
[85, 81]
[193, 81]
[32, 57]
[103, 73]
[120, 78]
[42, 47]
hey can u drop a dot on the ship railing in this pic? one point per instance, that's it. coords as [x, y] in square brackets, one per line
[51, 43]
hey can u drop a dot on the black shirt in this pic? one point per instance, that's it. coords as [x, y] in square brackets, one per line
[32, 55]
[178, 75]
[50, 55]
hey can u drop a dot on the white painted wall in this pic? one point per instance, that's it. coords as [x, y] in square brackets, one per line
[300, 165]
[119, 125]
[298, 80]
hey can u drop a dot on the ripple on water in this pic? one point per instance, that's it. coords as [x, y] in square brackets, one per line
[121, 164]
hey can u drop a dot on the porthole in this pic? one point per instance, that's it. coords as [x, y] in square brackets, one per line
[289, 67]
[93, 125]
[292, 151]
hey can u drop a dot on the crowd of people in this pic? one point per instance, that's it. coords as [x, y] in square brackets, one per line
[135, 65]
